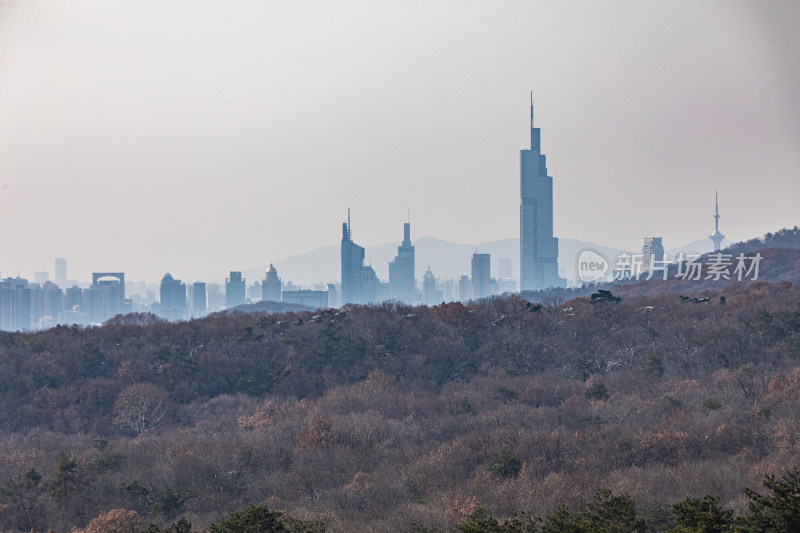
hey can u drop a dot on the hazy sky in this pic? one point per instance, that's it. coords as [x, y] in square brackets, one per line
[200, 136]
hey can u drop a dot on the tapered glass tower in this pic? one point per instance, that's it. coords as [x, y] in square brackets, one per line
[401, 270]
[352, 266]
[538, 248]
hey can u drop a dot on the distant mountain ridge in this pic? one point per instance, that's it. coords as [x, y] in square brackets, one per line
[446, 259]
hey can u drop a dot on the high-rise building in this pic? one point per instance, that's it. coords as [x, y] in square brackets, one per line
[15, 305]
[73, 296]
[198, 299]
[429, 288]
[106, 296]
[352, 266]
[61, 272]
[53, 301]
[333, 296]
[370, 286]
[271, 286]
[481, 275]
[173, 298]
[716, 237]
[47, 301]
[652, 252]
[254, 292]
[401, 270]
[463, 289]
[538, 247]
[215, 298]
[235, 290]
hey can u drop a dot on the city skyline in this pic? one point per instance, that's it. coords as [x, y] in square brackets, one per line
[180, 131]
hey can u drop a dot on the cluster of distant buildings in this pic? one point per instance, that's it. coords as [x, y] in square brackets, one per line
[39, 304]
[360, 284]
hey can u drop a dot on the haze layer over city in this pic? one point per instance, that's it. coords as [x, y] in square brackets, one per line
[198, 138]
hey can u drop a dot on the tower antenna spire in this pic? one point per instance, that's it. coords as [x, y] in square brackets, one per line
[531, 109]
[717, 237]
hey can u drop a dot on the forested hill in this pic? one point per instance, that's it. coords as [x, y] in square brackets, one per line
[370, 418]
[784, 238]
[67, 379]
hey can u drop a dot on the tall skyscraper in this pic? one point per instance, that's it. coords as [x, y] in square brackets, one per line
[538, 248]
[15, 305]
[235, 290]
[463, 288]
[214, 297]
[716, 237]
[481, 275]
[370, 286]
[352, 266]
[173, 298]
[61, 272]
[106, 296]
[401, 270]
[429, 288]
[271, 286]
[198, 299]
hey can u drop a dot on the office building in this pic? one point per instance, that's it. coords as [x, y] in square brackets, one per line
[15, 305]
[370, 286]
[173, 298]
[106, 297]
[429, 288]
[61, 272]
[463, 289]
[198, 299]
[235, 290]
[401, 270]
[271, 285]
[481, 275]
[538, 247]
[352, 266]
[333, 296]
[215, 298]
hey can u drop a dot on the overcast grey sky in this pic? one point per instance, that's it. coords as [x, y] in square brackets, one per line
[201, 136]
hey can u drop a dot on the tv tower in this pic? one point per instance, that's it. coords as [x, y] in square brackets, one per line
[716, 237]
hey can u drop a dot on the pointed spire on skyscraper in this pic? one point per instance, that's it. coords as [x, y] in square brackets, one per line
[347, 234]
[531, 109]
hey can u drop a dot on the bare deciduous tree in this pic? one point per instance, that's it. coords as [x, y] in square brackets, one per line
[140, 407]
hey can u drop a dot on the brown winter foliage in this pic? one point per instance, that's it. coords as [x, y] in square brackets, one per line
[372, 418]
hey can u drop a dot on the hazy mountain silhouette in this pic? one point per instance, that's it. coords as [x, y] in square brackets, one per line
[446, 259]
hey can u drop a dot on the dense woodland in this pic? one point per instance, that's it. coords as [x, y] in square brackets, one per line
[377, 418]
